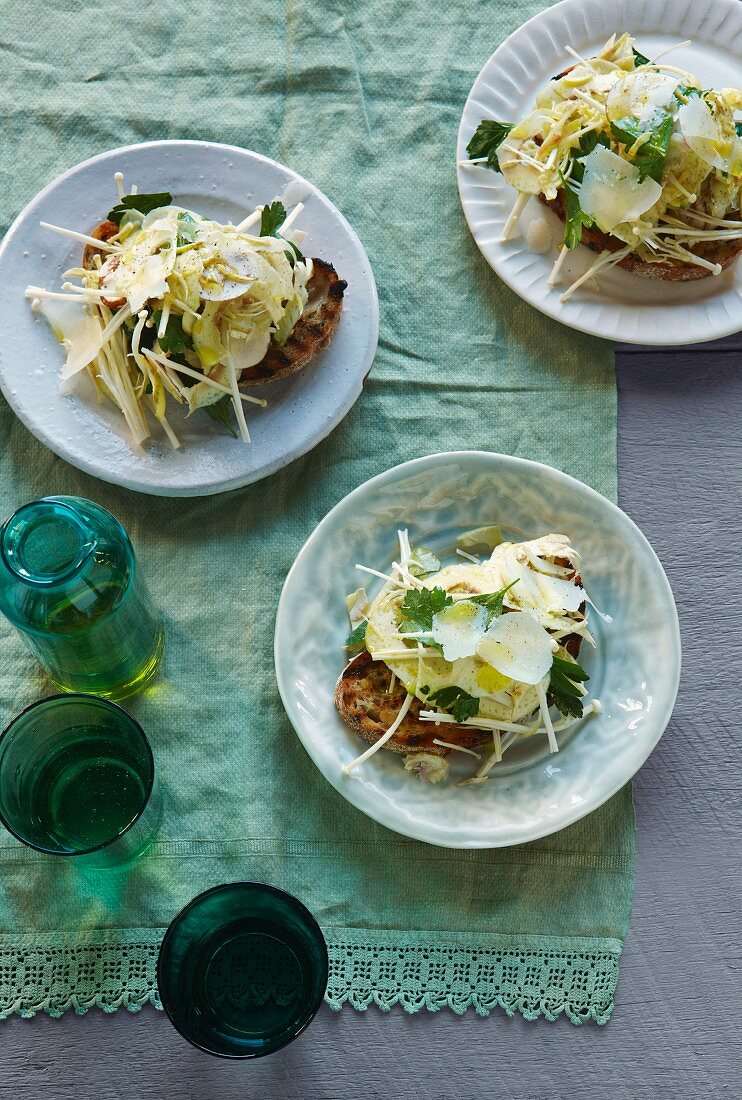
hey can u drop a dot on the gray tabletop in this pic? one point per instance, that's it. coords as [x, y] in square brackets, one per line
[674, 1032]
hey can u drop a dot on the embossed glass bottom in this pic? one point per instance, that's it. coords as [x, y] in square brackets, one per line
[242, 970]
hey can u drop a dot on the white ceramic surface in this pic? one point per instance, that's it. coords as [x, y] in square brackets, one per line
[224, 182]
[634, 671]
[619, 306]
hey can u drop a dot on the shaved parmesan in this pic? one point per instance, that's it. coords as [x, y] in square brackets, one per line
[458, 629]
[518, 647]
[539, 236]
[556, 594]
[639, 94]
[76, 329]
[611, 190]
[142, 271]
[703, 133]
[83, 344]
[151, 280]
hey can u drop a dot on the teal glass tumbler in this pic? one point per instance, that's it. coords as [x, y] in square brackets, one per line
[242, 970]
[77, 779]
[70, 584]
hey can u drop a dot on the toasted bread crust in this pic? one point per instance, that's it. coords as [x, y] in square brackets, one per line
[369, 708]
[103, 232]
[313, 332]
[723, 253]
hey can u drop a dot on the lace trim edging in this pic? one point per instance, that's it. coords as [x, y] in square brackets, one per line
[112, 970]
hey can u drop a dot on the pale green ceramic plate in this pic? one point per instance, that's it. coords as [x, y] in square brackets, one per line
[634, 671]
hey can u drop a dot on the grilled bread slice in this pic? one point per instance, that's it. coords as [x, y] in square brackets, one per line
[369, 708]
[723, 253]
[312, 334]
[313, 331]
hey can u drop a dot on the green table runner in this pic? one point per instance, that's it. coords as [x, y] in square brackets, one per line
[364, 99]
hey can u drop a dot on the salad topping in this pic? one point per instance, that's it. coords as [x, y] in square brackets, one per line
[171, 304]
[636, 148]
[487, 643]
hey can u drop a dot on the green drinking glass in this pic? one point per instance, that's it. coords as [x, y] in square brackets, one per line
[76, 779]
[242, 970]
[69, 582]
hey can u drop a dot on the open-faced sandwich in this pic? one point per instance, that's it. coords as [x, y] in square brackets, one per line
[473, 654]
[170, 304]
[641, 163]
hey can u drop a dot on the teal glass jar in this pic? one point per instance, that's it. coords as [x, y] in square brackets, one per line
[70, 584]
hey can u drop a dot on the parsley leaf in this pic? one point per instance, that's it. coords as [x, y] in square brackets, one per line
[174, 339]
[683, 92]
[272, 218]
[420, 605]
[459, 702]
[565, 695]
[142, 203]
[639, 59]
[574, 216]
[357, 637]
[649, 157]
[589, 140]
[488, 136]
[292, 253]
[422, 562]
[221, 411]
[494, 601]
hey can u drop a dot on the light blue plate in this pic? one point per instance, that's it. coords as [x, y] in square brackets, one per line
[634, 671]
[223, 182]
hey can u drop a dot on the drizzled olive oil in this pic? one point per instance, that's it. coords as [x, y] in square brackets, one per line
[109, 646]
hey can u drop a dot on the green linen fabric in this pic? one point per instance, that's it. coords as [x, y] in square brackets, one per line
[365, 100]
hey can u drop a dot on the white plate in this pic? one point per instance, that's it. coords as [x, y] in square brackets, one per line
[622, 307]
[634, 671]
[224, 182]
